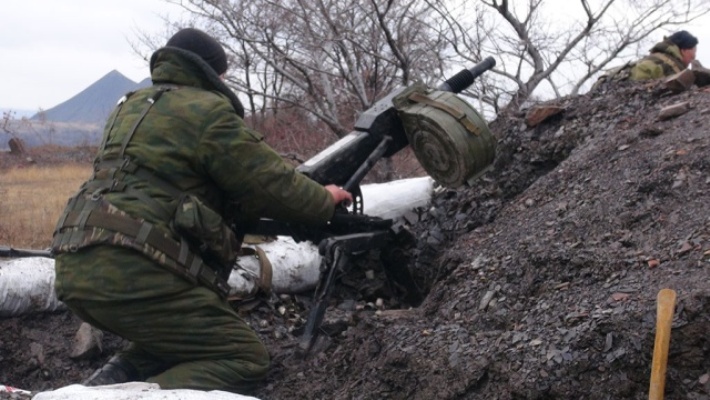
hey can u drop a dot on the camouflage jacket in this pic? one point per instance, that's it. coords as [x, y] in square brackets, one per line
[664, 60]
[194, 138]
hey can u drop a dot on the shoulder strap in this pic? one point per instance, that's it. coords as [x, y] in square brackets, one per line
[666, 59]
[151, 100]
[109, 128]
[123, 164]
[265, 269]
[160, 89]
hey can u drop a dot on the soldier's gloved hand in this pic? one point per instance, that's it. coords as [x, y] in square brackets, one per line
[339, 194]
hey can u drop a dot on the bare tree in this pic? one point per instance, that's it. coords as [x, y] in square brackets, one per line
[556, 51]
[330, 59]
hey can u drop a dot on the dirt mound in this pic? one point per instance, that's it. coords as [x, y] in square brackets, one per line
[541, 280]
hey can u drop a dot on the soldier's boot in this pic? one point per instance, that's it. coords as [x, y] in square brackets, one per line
[114, 371]
[702, 74]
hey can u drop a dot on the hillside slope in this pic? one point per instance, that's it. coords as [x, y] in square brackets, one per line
[546, 285]
[541, 280]
[95, 103]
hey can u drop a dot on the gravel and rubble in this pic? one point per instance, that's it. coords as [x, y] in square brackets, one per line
[540, 281]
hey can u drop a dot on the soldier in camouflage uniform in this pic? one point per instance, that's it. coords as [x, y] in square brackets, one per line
[144, 248]
[666, 58]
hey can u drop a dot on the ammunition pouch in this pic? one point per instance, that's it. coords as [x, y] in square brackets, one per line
[206, 231]
[449, 137]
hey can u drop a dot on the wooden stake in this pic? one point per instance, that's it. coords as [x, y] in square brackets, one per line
[664, 319]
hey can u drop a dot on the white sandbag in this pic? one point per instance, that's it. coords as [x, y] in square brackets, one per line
[134, 390]
[394, 199]
[27, 285]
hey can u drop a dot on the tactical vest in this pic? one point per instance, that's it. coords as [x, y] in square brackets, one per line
[207, 247]
[670, 66]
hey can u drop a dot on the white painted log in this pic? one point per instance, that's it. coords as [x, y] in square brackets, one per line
[295, 268]
[27, 284]
[394, 199]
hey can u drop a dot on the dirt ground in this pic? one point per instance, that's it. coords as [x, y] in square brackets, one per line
[540, 281]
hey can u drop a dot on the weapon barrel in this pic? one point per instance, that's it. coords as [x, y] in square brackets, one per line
[465, 78]
[9, 252]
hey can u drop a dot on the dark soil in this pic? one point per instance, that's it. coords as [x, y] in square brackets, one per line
[541, 280]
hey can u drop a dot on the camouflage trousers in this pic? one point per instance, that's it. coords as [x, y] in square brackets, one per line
[191, 340]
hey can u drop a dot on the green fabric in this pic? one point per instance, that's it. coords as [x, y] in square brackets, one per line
[654, 67]
[189, 340]
[193, 139]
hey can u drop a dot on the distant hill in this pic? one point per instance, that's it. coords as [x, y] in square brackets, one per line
[77, 121]
[93, 104]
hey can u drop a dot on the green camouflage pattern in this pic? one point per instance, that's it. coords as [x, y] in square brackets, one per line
[186, 340]
[207, 231]
[650, 67]
[653, 67]
[193, 139]
[92, 236]
[183, 335]
[71, 239]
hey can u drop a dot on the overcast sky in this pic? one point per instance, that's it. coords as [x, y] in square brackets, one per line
[51, 50]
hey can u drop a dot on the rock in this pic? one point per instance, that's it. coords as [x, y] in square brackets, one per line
[619, 296]
[538, 114]
[37, 352]
[680, 82]
[87, 342]
[673, 111]
[702, 74]
[650, 131]
[486, 299]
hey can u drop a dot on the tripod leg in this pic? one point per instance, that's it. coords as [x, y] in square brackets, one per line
[321, 297]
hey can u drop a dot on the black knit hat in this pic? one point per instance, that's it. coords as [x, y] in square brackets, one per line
[202, 44]
[683, 40]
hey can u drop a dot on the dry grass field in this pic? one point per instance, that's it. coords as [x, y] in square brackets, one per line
[31, 199]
